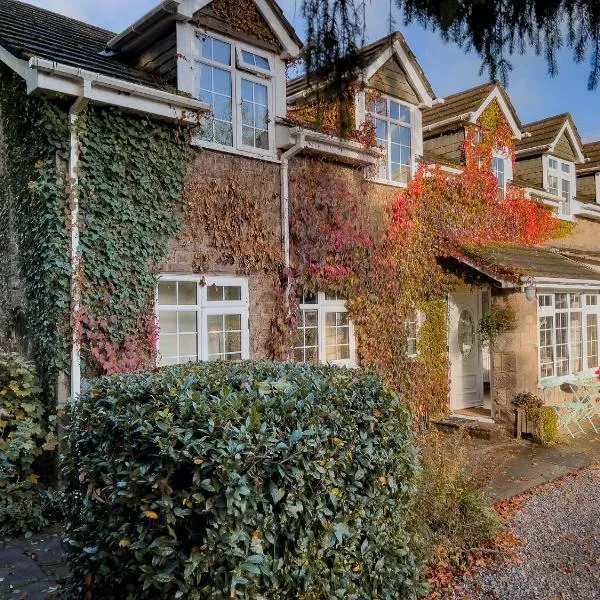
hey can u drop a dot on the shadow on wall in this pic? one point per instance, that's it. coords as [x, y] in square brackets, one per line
[14, 337]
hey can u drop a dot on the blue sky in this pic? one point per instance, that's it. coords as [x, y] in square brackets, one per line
[535, 94]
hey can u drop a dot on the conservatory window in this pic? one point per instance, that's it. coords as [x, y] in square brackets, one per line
[202, 319]
[568, 333]
[325, 333]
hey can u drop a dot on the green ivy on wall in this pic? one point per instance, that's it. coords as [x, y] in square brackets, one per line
[131, 180]
[34, 190]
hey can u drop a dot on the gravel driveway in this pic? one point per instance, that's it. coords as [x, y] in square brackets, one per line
[559, 528]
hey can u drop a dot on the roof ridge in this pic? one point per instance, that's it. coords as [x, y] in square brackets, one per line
[47, 11]
[564, 115]
[471, 89]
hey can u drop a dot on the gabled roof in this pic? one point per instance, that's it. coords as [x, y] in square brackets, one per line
[27, 31]
[592, 155]
[467, 106]
[507, 261]
[371, 57]
[541, 136]
[168, 11]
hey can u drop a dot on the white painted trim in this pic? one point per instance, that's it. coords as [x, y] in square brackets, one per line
[186, 81]
[188, 8]
[578, 150]
[413, 75]
[254, 70]
[551, 282]
[495, 94]
[196, 142]
[464, 117]
[370, 71]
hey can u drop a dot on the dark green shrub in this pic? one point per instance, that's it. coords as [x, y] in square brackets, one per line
[253, 480]
[527, 400]
[24, 438]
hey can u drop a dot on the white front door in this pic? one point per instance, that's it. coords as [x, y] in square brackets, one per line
[466, 367]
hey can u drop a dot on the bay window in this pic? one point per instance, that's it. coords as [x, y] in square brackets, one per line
[325, 333]
[202, 319]
[568, 332]
[236, 82]
[393, 130]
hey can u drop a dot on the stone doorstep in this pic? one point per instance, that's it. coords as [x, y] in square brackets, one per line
[484, 429]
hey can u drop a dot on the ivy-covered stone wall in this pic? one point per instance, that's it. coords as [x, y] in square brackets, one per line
[232, 226]
[34, 205]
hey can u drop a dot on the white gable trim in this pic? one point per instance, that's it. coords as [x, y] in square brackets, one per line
[413, 76]
[496, 95]
[189, 8]
[19, 66]
[569, 130]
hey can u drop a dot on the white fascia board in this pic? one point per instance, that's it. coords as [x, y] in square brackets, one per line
[584, 209]
[377, 64]
[413, 75]
[169, 6]
[50, 76]
[496, 95]
[561, 283]
[458, 118]
[188, 8]
[569, 130]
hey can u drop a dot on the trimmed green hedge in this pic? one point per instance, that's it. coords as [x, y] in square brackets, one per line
[252, 480]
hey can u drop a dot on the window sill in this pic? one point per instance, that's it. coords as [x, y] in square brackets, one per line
[267, 157]
[396, 184]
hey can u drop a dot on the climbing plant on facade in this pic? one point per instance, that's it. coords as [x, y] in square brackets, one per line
[388, 261]
[131, 181]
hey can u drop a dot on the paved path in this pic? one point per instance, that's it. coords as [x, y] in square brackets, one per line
[29, 569]
[558, 526]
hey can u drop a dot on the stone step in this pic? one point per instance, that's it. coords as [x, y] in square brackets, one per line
[486, 430]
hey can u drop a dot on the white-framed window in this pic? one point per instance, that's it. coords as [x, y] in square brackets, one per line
[236, 81]
[394, 131]
[561, 181]
[202, 319]
[413, 325]
[325, 333]
[499, 172]
[568, 332]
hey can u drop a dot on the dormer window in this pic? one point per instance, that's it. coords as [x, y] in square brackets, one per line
[561, 181]
[236, 82]
[393, 127]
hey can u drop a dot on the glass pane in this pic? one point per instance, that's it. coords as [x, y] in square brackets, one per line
[247, 136]
[222, 82]
[262, 62]
[378, 106]
[223, 133]
[222, 107]
[214, 293]
[262, 139]
[591, 300]
[330, 319]
[168, 321]
[395, 153]
[405, 136]
[221, 52]
[566, 168]
[311, 337]
[381, 129]
[394, 111]
[233, 342]
[187, 322]
[215, 344]
[247, 113]
[575, 300]
[167, 345]
[592, 341]
[311, 318]
[561, 301]
[188, 344]
[576, 335]
[205, 80]
[299, 355]
[247, 90]
[232, 293]
[214, 322]
[187, 293]
[309, 298]
[260, 94]
[167, 292]
[233, 322]
[206, 47]
[404, 114]
[248, 57]
[395, 133]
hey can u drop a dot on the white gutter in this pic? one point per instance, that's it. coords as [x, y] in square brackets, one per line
[167, 6]
[464, 117]
[552, 282]
[78, 106]
[49, 75]
[299, 145]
